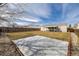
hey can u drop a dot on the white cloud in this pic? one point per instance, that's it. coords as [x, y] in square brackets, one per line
[4, 24]
[64, 7]
[30, 19]
[42, 10]
[71, 14]
[22, 23]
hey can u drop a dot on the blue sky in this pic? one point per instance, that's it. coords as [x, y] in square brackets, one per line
[49, 13]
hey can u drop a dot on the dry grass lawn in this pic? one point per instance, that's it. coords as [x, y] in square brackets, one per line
[58, 35]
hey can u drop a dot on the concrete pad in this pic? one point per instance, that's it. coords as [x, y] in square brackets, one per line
[42, 46]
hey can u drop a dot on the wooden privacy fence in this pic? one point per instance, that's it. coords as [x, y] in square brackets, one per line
[70, 30]
[9, 29]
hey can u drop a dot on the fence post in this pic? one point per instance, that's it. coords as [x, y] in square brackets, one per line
[70, 46]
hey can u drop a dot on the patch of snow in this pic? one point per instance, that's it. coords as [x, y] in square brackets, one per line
[41, 46]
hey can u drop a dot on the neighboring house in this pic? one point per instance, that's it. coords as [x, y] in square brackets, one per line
[55, 28]
[76, 26]
[63, 27]
[50, 28]
[44, 29]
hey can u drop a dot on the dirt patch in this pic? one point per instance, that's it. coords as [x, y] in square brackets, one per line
[8, 50]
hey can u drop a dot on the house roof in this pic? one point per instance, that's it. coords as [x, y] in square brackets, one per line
[54, 25]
